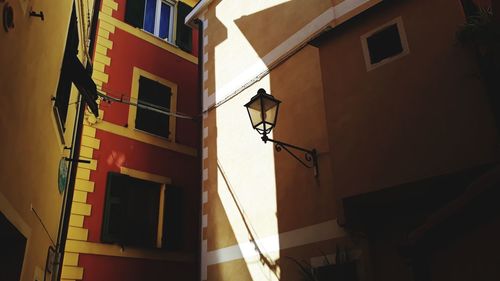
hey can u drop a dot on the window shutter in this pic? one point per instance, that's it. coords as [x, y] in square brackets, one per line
[134, 12]
[172, 218]
[115, 207]
[152, 93]
[64, 86]
[143, 201]
[184, 33]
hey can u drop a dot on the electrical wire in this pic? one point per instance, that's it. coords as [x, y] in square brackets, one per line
[43, 225]
[111, 96]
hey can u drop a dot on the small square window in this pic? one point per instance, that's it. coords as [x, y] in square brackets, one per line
[384, 44]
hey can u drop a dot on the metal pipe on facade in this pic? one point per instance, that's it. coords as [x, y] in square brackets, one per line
[200, 153]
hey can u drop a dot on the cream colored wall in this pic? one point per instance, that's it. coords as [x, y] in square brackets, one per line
[260, 203]
[240, 33]
[31, 56]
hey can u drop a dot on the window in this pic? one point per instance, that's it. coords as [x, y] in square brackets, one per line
[141, 213]
[384, 44]
[154, 92]
[157, 17]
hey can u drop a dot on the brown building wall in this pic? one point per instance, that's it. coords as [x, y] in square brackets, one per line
[421, 115]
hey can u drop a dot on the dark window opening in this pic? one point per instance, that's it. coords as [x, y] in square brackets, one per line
[384, 44]
[131, 213]
[152, 93]
[13, 247]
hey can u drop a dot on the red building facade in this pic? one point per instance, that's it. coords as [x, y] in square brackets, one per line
[135, 212]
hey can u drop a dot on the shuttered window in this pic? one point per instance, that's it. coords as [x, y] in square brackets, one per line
[184, 33]
[131, 213]
[134, 12]
[65, 77]
[155, 95]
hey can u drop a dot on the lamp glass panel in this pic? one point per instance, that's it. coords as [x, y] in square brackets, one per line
[270, 115]
[255, 116]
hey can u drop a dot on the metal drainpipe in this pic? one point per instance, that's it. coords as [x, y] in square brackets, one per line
[200, 91]
[75, 155]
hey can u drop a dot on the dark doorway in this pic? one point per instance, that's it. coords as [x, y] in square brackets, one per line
[13, 244]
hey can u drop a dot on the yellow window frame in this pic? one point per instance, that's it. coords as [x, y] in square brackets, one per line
[134, 95]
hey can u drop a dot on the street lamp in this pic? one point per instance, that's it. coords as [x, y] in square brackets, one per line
[263, 112]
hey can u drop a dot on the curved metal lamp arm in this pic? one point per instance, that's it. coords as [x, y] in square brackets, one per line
[310, 158]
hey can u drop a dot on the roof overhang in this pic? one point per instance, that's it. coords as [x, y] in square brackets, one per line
[195, 13]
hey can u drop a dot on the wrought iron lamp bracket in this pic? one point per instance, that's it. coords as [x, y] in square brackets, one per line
[309, 159]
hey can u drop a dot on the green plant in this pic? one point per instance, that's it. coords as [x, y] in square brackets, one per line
[480, 31]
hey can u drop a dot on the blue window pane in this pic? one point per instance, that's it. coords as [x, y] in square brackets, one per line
[149, 16]
[165, 20]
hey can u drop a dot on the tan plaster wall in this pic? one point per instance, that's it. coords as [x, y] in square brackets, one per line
[31, 56]
[422, 115]
[240, 33]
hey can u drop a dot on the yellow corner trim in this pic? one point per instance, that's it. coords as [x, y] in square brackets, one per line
[104, 33]
[143, 137]
[191, 3]
[91, 142]
[107, 26]
[84, 185]
[101, 50]
[101, 76]
[77, 233]
[81, 209]
[86, 152]
[104, 42]
[84, 247]
[71, 259]
[106, 10]
[80, 196]
[102, 59]
[89, 131]
[110, 3]
[98, 66]
[91, 166]
[83, 174]
[145, 175]
[72, 272]
[76, 220]
[148, 37]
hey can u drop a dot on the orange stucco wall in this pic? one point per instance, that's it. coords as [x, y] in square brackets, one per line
[422, 115]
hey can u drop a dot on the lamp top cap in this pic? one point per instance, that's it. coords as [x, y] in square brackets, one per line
[261, 91]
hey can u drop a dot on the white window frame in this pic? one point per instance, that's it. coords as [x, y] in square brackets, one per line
[404, 43]
[156, 32]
